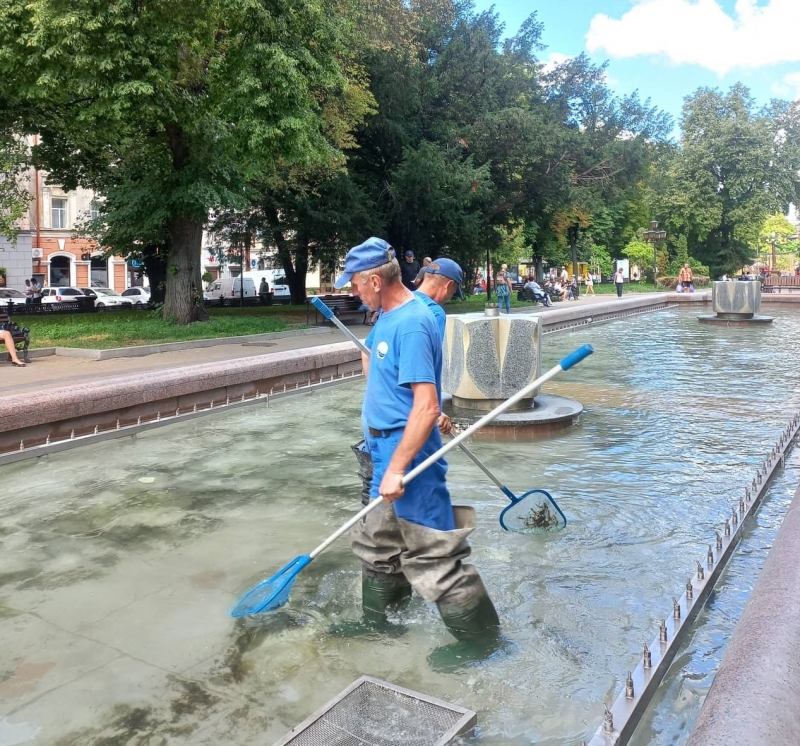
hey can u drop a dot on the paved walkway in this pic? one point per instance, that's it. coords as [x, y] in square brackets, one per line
[54, 371]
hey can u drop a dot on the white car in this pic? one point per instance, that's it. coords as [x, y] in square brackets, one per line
[138, 296]
[107, 298]
[9, 296]
[61, 295]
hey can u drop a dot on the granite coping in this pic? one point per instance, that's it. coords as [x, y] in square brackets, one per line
[80, 399]
[755, 697]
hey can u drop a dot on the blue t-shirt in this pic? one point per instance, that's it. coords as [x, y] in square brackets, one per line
[436, 310]
[405, 348]
[430, 304]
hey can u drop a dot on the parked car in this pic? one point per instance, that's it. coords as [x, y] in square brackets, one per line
[58, 295]
[106, 297]
[9, 295]
[139, 296]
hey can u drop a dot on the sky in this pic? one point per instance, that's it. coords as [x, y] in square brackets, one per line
[666, 49]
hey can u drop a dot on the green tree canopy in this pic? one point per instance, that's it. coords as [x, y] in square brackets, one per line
[736, 164]
[169, 109]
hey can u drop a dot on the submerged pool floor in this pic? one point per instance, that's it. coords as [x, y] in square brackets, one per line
[120, 562]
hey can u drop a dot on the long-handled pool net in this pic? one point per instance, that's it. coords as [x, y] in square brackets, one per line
[273, 593]
[533, 512]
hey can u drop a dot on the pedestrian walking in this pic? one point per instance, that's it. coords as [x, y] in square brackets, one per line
[619, 280]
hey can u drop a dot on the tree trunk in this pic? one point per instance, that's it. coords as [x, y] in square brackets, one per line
[183, 298]
[155, 266]
[294, 261]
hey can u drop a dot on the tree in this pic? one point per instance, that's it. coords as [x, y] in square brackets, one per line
[736, 164]
[14, 197]
[640, 253]
[170, 109]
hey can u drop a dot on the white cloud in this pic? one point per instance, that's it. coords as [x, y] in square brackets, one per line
[700, 32]
[788, 87]
[553, 60]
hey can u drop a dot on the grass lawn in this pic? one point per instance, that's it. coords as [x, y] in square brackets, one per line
[130, 328]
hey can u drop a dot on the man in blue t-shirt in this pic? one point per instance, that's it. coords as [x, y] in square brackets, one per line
[417, 537]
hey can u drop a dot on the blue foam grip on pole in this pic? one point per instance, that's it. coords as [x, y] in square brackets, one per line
[575, 357]
[322, 308]
[509, 494]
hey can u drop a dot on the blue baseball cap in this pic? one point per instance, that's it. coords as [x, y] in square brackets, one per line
[374, 252]
[449, 269]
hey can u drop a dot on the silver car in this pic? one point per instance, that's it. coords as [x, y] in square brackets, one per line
[107, 298]
[138, 296]
[9, 295]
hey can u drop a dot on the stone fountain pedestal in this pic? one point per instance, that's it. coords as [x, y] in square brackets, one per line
[736, 302]
[488, 359]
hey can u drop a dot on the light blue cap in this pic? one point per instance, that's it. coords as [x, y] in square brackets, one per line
[449, 269]
[374, 252]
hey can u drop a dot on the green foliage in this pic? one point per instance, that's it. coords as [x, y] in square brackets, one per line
[14, 197]
[736, 165]
[169, 109]
[698, 268]
[601, 259]
[639, 252]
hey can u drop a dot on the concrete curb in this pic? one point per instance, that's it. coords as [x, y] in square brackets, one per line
[755, 697]
[177, 384]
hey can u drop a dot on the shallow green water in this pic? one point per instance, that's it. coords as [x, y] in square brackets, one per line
[120, 561]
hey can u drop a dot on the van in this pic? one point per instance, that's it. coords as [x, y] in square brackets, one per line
[226, 290]
[276, 279]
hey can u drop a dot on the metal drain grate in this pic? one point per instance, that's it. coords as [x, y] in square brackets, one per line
[371, 712]
[259, 344]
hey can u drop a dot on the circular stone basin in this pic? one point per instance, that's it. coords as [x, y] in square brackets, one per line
[732, 318]
[549, 414]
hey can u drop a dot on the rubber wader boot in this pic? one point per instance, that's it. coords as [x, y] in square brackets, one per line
[364, 458]
[475, 626]
[379, 592]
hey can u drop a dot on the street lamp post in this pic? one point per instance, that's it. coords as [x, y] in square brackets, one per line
[774, 258]
[655, 237]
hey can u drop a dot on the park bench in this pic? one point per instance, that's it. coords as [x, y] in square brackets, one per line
[21, 336]
[341, 305]
[776, 283]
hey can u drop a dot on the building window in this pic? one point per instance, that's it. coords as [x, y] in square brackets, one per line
[59, 213]
[94, 211]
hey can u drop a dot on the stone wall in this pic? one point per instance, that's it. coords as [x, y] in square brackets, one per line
[17, 260]
[755, 697]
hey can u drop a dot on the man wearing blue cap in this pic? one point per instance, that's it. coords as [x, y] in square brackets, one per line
[417, 538]
[442, 281]
[409, 269]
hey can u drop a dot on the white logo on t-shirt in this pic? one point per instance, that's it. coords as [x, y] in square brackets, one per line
[382, 349]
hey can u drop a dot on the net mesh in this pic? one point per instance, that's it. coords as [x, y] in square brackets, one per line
[535, 512]
[378, 714]
[273, 593]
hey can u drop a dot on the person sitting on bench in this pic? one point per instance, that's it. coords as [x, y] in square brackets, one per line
[536, 291]
[8, 341]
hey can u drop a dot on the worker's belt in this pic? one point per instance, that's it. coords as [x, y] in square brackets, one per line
[382, 433]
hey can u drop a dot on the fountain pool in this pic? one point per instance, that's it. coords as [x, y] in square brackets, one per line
[120, 561]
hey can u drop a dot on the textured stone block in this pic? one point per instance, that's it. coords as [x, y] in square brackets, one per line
[741, 298]
[488, 359]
